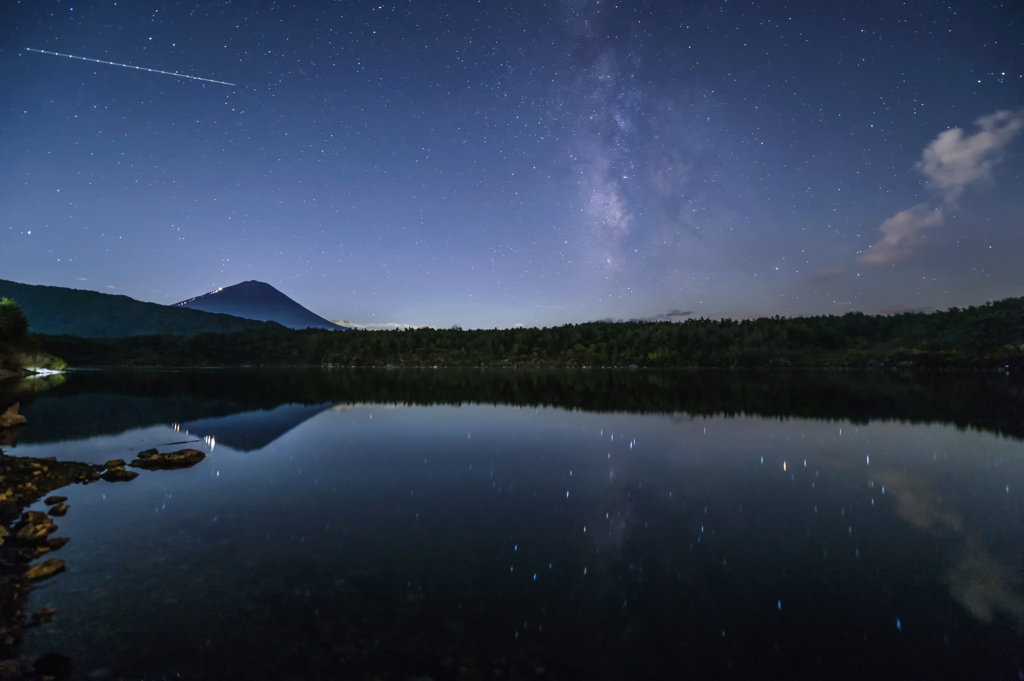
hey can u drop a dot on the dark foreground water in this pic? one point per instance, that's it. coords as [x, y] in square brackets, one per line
[539, 526]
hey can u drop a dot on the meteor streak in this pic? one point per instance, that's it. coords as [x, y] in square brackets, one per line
[129, 66]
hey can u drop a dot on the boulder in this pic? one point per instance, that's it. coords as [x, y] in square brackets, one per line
[31, 533]
[114, 463]
[44, 615]
[118, 475]
[47, 568]
[11, 418]
[56, 542]
[59, 510]
[34, 518]
[36, 526]
[50, 501]
[153, 460]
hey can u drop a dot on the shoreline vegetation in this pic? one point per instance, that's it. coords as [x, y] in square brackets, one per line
[989, 336]
[18, 349]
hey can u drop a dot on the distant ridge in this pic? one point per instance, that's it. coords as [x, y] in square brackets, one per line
[260, 301]
[56, 310]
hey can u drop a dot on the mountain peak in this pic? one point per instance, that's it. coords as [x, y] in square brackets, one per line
[258, 300]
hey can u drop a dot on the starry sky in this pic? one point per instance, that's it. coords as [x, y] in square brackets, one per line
[492, 164]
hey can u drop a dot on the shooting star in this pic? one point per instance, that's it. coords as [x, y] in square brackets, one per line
[129, 66]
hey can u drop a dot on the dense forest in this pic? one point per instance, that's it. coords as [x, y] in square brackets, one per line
[987, 336]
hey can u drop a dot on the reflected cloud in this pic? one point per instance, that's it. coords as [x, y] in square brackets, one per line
[918, 503]
[981, 584]
[984, 586]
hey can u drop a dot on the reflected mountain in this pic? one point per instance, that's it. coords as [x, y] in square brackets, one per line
[253, 430]
[92, 403]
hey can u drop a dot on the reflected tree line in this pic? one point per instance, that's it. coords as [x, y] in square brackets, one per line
[90, 403]
[987, 336]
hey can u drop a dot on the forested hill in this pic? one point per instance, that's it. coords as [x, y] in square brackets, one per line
[57, 310]
[987, 336]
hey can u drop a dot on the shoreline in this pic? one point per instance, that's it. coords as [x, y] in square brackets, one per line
[878, 368]
[26, 546]
[24, 537]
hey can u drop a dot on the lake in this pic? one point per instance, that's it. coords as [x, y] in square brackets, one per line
[538, 525]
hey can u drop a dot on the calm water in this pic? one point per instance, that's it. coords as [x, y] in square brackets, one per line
[552, 526]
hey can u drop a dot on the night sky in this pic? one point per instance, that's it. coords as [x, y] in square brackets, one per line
[491, 164]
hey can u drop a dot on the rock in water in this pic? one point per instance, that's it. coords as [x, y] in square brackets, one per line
[50, 501]
[56, 542]
[35, 525]
[152, 460]
[35, 518]
[11, 418]
[59, 510]
[119, 475]
[47, 568]
[40, 616]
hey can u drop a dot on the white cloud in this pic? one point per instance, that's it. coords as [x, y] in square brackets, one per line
[953, 161]
[901, 234]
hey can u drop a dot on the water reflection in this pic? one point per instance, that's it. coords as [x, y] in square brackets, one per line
[252, 430]
[349, 539]
[981, 583]
[985, 586]
[111, 402]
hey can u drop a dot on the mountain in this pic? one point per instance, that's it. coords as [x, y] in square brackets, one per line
[256, 300]
[55, 310]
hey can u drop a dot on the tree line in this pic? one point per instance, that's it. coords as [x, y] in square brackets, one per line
[986, 336]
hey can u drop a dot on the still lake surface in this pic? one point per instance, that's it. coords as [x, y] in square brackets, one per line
[549, 525]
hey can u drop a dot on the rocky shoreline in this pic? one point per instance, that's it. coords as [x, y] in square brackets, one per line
[26, 537]
[26, 543]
